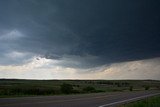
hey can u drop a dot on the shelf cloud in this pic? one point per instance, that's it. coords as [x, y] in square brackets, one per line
[81, 35]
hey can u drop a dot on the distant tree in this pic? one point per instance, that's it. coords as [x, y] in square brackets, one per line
[66, 88]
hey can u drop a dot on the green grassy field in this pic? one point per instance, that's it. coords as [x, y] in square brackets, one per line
[148, 102]
[14, 87]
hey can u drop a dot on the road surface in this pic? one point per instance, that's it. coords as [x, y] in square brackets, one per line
[83, 100]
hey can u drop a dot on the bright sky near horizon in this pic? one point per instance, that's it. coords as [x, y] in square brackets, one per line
[80, 39]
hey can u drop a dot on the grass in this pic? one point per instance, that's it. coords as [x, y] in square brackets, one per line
[14, 87]
[148, 102]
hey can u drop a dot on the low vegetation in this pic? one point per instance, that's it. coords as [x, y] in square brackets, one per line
[13, 87]
[148, 102]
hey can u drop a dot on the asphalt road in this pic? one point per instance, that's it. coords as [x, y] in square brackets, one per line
[84, 100]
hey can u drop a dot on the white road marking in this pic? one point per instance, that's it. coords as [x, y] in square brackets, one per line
[128, 100]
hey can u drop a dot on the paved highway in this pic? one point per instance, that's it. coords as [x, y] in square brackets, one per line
[85, 100]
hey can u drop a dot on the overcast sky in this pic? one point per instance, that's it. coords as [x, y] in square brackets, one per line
[80, 39]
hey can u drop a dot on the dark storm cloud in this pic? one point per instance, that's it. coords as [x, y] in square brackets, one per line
[91, 32]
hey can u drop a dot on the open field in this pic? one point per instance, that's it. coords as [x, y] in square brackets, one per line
[148, 102]
[13, 87]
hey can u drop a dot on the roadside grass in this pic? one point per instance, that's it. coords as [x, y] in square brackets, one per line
[148, 102]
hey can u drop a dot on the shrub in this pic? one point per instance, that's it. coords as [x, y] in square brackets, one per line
[66, 88]
[89, 89]
[131, 88]
[146, 87]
